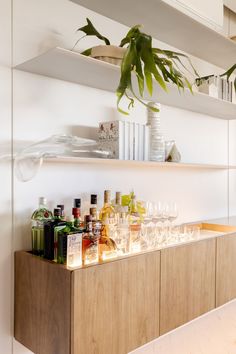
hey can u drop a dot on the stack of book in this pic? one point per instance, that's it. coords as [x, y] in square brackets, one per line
[125, 140]
[216, 86]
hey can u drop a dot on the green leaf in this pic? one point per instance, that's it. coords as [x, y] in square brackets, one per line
[133, 33]
[229, 72]
[87, 52]
[90, 30]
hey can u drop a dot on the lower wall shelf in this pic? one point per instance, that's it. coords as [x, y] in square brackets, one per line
[131, 163]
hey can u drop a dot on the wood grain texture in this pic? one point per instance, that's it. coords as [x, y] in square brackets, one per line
[226, 269]
[116, 305]
[187, 283]
[42, 305]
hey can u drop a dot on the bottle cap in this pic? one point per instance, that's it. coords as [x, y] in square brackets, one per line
[77, 203]
[93, 198]
[42, 201]
[57, 212]
[76, 212]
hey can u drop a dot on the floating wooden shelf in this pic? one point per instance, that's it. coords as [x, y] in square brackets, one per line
[70, 66]
[171, 26]
[130, 163]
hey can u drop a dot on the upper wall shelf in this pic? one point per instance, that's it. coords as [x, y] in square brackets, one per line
[169, 25]
[70, 66]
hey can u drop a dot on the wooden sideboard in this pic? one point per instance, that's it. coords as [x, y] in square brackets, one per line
[111, 308]
[117, 306]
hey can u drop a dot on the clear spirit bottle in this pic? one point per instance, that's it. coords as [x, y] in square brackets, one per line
[38, 219]
[107, 247]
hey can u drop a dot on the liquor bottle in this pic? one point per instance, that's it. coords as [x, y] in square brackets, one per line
[107, 247]
[62, 207]
[118, 207]
[93, 201]
[122, 237]
[51, 229]
[90, 251]
[134, 215]
[96, 223]
[70, 245]
[38, 218]
[107, 209]
[77, 218]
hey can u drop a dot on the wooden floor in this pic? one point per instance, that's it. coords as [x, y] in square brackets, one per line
[212, 333]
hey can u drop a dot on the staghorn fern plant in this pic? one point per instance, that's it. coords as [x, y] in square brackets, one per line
[146, 62]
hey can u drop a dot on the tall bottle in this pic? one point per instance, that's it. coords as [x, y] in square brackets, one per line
[38, 219]
[51, 229]
[62, 207]
[77, 217]
[107, 246]
[90, 243]
[93, 201]
[118, 207]
[70, 245]
[77, 209]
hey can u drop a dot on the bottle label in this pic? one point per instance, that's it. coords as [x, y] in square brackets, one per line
[74, 250]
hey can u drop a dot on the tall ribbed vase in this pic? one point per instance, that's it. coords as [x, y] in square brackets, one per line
[157, 143]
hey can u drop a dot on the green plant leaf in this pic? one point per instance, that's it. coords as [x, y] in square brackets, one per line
[229, 72]
[133, 33]
[90, 30]
[87, 52]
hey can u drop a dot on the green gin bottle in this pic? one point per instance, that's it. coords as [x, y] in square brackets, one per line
[70, 245]
[38, 219]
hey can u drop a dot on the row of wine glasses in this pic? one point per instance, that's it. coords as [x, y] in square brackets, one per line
[160, 212]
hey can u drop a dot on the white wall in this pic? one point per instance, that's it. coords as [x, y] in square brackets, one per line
[43, 106]
[5, 181]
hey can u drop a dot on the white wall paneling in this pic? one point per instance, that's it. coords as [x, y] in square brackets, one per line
[6, 289]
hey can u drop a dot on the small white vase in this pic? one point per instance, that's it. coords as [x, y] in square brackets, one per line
[108, 53]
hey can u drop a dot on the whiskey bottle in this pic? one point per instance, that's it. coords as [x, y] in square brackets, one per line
[51, 229]
[93, 201]
[38, 219]
[90, 242]
[96, 223]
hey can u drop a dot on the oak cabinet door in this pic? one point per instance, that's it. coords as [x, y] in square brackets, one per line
[226, 269]
[187, 283]
[116, 305]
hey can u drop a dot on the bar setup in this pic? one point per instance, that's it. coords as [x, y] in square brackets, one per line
[120, 278]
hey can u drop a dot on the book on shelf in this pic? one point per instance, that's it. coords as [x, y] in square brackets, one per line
[125, 140]
[216, 86]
